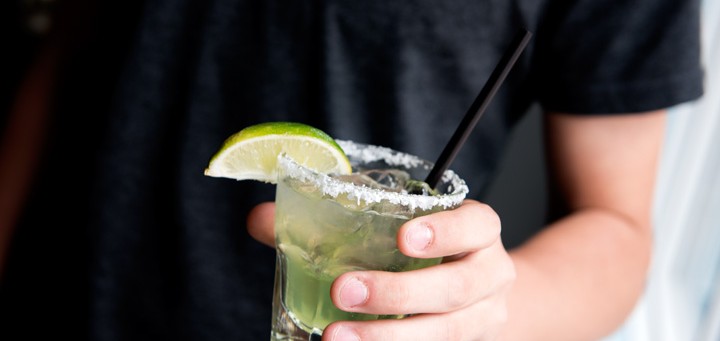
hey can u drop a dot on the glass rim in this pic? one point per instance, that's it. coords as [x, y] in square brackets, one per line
[366, 153]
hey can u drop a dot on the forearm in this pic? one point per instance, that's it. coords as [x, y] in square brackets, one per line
[579, 278]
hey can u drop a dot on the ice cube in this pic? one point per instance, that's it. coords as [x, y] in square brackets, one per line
[419, 187]
[392, 180]
[389, 179]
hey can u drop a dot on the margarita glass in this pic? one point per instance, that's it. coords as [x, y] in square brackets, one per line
[325, 227]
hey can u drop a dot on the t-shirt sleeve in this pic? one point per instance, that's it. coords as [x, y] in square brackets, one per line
[618, 56]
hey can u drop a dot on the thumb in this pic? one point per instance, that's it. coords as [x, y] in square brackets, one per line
[261, 223]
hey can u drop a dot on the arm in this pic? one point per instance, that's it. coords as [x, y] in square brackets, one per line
[589, 267]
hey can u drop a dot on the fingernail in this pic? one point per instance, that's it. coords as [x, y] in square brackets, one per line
[419, 237]
[345, 334]
[353, 293]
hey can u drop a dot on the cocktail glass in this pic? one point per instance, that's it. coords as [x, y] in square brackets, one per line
[325, 227]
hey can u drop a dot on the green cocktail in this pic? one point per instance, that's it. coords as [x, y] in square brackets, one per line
[327, 226]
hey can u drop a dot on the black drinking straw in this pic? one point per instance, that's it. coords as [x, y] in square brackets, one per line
[478, 107]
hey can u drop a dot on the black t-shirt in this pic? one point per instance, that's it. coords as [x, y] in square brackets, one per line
[154, 250]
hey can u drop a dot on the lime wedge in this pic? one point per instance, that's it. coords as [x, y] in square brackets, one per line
[252, 153]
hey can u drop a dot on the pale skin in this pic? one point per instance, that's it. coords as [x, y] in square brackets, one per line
[576, 280]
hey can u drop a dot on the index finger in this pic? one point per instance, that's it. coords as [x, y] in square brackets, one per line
[470, 227]
[260, 223]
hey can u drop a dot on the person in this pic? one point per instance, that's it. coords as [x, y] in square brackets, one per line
[117, 235]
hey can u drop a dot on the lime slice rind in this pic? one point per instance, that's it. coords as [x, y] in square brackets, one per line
[252, 153]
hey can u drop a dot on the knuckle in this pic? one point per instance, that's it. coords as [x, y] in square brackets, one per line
[492, 219]
[508, 274]
[489, 221]
[511, 273]
[496, 321]
[452, 332]
[397, 297]
[459, 289]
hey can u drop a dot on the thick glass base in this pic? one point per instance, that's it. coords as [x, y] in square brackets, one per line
[284, 326]
[285, 329]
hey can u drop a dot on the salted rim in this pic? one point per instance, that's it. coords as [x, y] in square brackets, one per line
[364, 153]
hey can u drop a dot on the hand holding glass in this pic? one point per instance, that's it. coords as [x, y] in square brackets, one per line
[327, 226]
